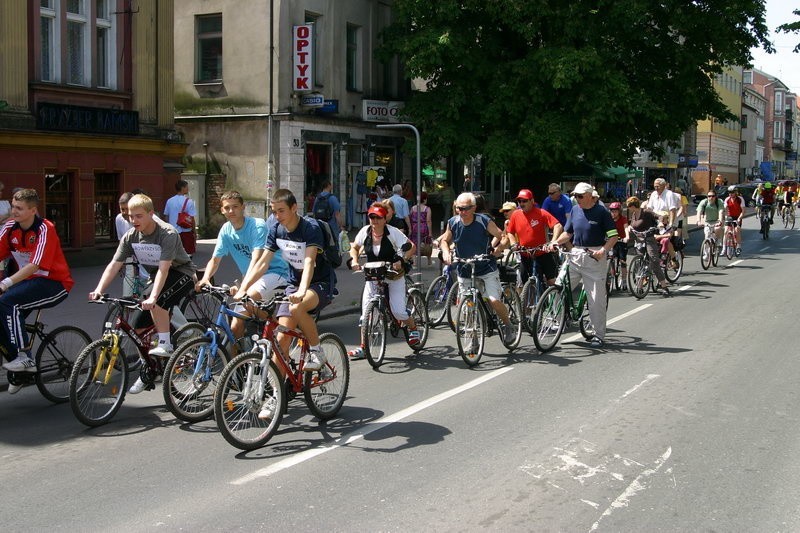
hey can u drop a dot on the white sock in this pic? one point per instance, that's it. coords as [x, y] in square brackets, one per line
[314, 348]
[163, 338]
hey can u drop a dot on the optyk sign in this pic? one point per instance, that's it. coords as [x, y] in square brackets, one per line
[303, 50]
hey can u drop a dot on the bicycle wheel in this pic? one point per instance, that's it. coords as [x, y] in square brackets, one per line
[452, 306]
[436, 300]
[326, 389]
[730, 246]
[54, 360]
[201, 307]
[513, 303]
[416, 308]
[791, 219]
[716, 250]
[549, 319]
[585, 325]
[674, 268]
[373, 332]
[244, 387]
[705, 255]
[638, 277]
[191, 378]
[530, 296]
[98, 383]
[765, 227]
[470, 331]
[190, 330]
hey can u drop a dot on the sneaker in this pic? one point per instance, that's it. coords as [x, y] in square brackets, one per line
[413, 337]
[268, 409]
[738, 252]
[22, 363]
[509, 333]
[356, 354]
[316, 358]
[162, 350]
[665, 292]
[137, 387]
[596, 342]
[13, 389]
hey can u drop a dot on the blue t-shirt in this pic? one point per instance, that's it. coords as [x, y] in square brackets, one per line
[335, 206]
[472, 239]
[558, 209]
[293, 245]
[241, 243]
[591, 227]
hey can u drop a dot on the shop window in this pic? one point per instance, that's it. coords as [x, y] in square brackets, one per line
[58, 205]
[106, 194]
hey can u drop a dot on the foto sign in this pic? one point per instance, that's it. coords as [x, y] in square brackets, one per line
[381, 110]
[303, 50]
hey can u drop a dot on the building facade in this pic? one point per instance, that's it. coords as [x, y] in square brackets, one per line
[287, 94]
[751, 153]
[776, 147]
[86, 108]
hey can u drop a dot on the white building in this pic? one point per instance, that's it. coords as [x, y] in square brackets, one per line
[751, 153]
[286, 94]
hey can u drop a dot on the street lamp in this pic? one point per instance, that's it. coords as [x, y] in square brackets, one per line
[419, 186]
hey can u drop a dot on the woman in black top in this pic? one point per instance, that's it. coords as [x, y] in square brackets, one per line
[641, 220]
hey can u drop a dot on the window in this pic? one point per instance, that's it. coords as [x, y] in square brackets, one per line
[353, 58]
[316, 62]
[209, 48]
[106, 194]
[777, 131]
[760, 128]
[76, 47]
[748, 76]
[58, 205]
[744, 121]
[779, 101]
[743, 147]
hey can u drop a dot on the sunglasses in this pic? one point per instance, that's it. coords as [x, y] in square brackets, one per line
[464, 207]
[579, 196]
[375, 217]
[712, 195]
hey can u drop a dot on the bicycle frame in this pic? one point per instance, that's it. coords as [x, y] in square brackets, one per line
[475, 293]
[574, 310]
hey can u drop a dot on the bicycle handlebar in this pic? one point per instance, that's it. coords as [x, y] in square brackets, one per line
[106, 298]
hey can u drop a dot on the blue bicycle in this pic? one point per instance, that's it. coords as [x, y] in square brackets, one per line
[191, 374]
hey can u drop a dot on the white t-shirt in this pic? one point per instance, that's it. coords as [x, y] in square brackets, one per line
[5, 208]
[174, 206]
[663, 202]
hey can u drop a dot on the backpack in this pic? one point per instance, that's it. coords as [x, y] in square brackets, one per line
[322, 208]
[331, 244]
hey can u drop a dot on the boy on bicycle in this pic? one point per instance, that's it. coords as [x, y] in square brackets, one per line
[472, 233]
[157, 249]
[735, 206]
[42, 279]
[244, 239]
[311, 277]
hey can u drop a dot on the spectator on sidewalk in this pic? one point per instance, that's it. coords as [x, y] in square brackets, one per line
[327, 207]
[181, 203]
[401, 207]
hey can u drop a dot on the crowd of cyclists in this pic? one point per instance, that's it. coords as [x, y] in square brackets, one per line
[289, 256]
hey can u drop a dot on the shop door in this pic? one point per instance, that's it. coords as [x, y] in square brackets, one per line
[58, 205]
[318, 169]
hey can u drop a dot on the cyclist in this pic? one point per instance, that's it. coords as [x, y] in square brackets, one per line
[158, 249]
[527, 227]
[382, 242]
[788, 200]
[766, 200]
[621, 246]
[711, 213]
[311, 277]
[592, 227]
[42, 278]
[472, 232]
[244, 239]
[735, 206]
[642, 220]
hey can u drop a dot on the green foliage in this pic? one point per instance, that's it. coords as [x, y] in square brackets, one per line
[792, 27]
[538, 83]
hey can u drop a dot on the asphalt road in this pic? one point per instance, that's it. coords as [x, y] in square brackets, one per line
[685, 421]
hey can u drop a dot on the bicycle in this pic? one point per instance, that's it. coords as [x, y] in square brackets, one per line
[190, 375]
[54, 358]
[476, 319]
[615, 279]
[764, 219]
[437, 296]
[532, 288]
[557, 308]
[730, 245]
[252, 381]
[710, 250]
[640, 273]
[99, 378]
[378, 316]
[789, 216]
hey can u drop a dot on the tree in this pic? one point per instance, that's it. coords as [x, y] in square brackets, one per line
[792, 27]
[541, 83]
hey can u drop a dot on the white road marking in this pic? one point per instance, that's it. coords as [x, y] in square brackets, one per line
[785, 237]
[685, 287]
[764, 249]
[734, 263]
[636, 486]
[367, 429]
[615, 319]
[648, 379]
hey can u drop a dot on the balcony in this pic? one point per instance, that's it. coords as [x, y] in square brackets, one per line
[789, 115]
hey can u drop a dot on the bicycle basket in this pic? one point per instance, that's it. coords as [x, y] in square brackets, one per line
[508, 274]
[375, 271]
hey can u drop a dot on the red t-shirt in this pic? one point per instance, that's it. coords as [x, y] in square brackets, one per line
[39, 245]
[530, 228]
[734, 207]
[621, 222]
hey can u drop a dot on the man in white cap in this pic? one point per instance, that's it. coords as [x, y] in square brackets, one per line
[590, 227]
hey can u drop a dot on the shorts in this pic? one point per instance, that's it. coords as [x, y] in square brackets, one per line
[621, 250]
[322, 291]
[491, 285]
[176, 288]
[547, 265]
[267, 284]
[189, 241]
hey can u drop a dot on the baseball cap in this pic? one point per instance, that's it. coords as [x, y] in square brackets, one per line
[377, 210]
[768, 185]
[582, 188]
[525, 194]
[508, 206]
